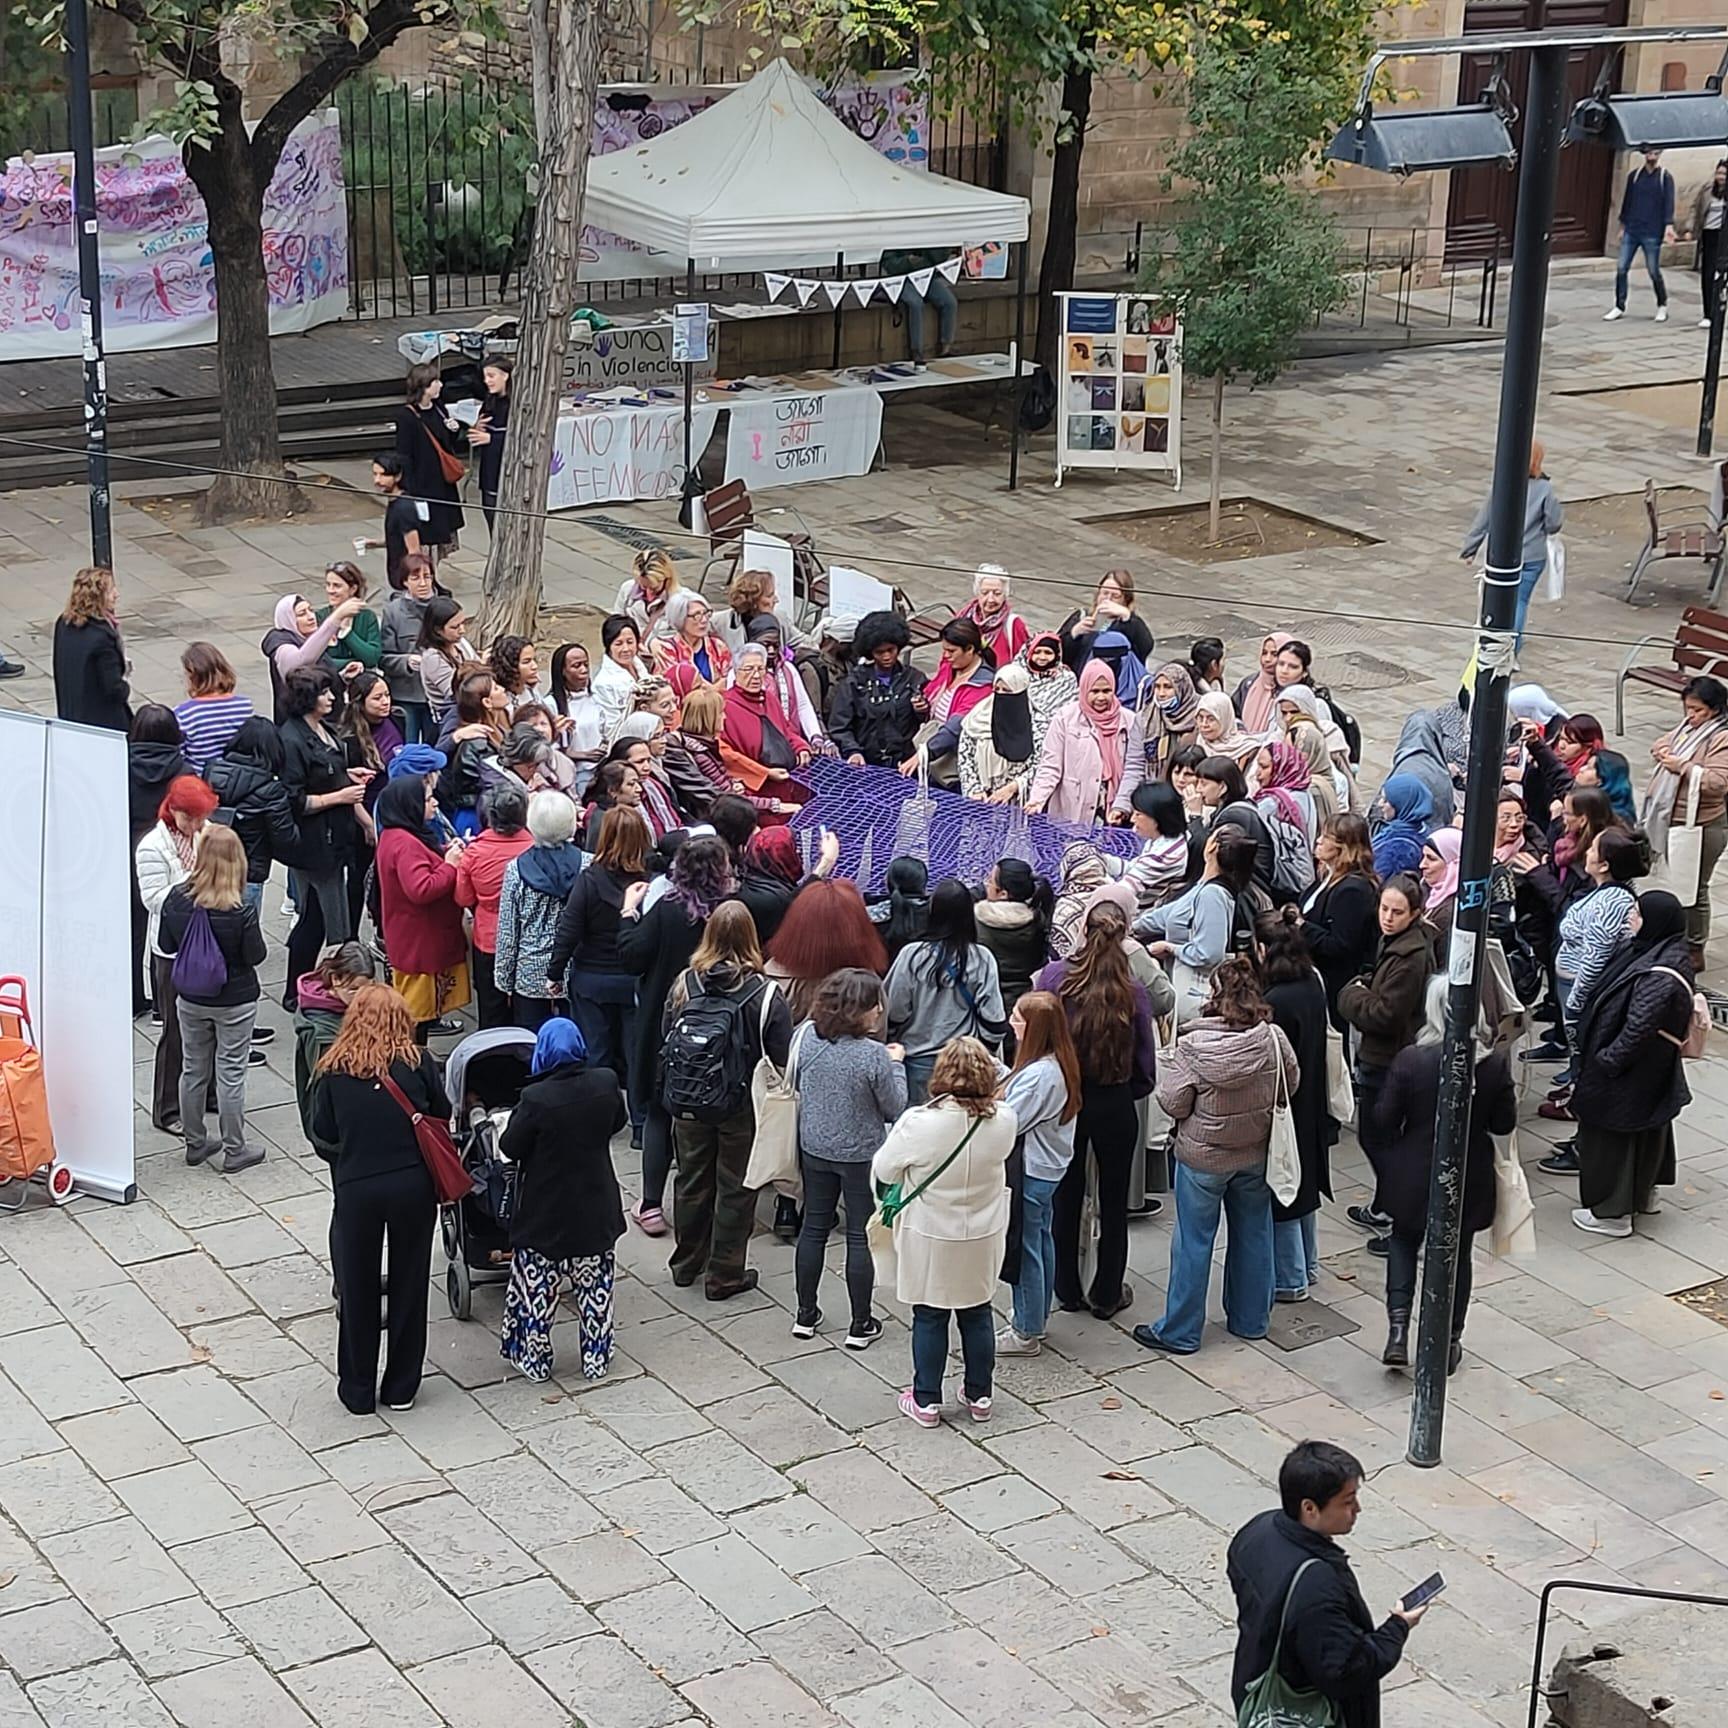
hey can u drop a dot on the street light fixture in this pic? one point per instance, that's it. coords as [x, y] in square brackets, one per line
[1424, 142]
[1412, 142]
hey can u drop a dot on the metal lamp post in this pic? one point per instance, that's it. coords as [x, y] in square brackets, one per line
[1406, 142]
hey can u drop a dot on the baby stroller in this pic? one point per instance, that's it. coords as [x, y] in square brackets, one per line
[483, 1078]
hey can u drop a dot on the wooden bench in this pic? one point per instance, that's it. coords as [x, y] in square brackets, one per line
[1699, 645]
[1684, 531]
[728, 510]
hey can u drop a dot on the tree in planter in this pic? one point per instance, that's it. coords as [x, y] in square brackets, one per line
[564, 36]
[231, 164]
[1251, 258]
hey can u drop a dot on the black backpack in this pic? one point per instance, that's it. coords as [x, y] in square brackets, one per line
[705, 1065]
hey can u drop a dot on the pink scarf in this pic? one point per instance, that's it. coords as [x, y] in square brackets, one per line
[1290, 773]
[1261, 695]
[1107, 728]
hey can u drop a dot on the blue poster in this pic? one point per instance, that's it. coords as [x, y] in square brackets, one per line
[1092, 314]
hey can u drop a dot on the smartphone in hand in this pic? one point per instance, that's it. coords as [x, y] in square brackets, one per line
[1422, 1594]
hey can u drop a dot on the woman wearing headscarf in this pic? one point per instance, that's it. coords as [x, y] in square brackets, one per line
[1162, 727]
[1255, 697]
[1217, 728]
[1084, 872]
[1408, 817]
[422, 925]
[1694, 755]
[296, 639]
[1052, 686]
[689, 640]
[568, 1213]
[1439, 871]
[1084, 752]
[1298, 709]
[1631, 1080]
[1282, 789]
[1131, 672]
[1003, 629]
[1433, 747]
[998, 752]
[759, 741]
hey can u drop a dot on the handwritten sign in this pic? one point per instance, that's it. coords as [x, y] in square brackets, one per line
[631, 356]
[788, 440]
[601, 457]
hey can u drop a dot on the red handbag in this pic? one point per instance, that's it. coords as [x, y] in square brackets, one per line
[450, 1180]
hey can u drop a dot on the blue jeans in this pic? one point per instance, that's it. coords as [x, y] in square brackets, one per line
[930, 1350]
[1035, 1288]
[415, 720]
[1295, 1253]
[941, 296]
[1630, 246]
[918, 1072]
[1246, 1203]
[252, 895]
[1528, 577]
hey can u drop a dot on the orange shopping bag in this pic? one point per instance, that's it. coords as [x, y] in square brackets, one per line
[26, 1135]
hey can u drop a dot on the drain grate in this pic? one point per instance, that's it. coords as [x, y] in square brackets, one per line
[628, 535]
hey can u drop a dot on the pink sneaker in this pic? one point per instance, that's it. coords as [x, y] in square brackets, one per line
[651, 1221]
[980, 1408]
[925, 1415]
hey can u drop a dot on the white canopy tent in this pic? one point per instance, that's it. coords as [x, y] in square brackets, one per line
[768, 178]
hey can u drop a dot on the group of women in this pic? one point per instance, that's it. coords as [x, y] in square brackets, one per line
[601, 855]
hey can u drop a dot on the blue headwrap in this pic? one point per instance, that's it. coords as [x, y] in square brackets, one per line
[1117, 652]
[560, 1041]
[1398, 841]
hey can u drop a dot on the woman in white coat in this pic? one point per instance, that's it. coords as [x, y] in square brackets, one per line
[950, 1157]
[620, 671]
[1077, 776]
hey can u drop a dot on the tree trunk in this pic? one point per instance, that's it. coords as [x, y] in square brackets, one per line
[1215, 514]
[252, 481]
[1056, 267]
[564, 36]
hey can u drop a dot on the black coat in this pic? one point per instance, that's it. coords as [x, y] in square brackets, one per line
[369, 1129]
[90, 675]
[497, 410]
[1342, 929]
[560, 1134]
[327, 837]
[1405, 1117]
[586, 937]
[416, 432]
[149, 769]
[1630, 1077]
[1331, 1644]
[875, 719]
[261, 812]
[1299, 1012]
[1077, 644]
[766, 898]
[237, 935]
[654, 948]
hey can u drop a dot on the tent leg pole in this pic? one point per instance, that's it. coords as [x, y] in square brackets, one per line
[692, 481]
[1017, 390]
[839, 270]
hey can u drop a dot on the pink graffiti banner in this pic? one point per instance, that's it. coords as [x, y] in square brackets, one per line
[158, 278]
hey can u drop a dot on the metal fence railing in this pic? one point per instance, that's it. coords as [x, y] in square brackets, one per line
[40, 121]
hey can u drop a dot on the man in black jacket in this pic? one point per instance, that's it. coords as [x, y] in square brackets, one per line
[1331, 1644]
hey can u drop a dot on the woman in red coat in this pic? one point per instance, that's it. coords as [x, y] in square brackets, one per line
[423, 937]
[759, 740]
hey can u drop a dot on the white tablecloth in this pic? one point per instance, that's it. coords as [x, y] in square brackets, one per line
[612, 455]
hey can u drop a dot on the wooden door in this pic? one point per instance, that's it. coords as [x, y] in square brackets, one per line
[1483, 203]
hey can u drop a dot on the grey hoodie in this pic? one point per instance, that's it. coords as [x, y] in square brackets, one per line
[1038, 1095]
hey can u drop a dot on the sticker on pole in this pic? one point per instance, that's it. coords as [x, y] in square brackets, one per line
[1461, 957]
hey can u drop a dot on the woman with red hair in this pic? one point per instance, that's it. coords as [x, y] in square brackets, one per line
[164, 858]
[772, 870]
[826, 929]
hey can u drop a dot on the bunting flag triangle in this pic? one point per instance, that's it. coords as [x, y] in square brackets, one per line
[836, 291]
[806, 291]
[951, 269]
[892, 286]
[863, 288]
[920, 281]
[776, 285]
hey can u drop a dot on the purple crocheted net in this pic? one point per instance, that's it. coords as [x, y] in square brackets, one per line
[879, 816]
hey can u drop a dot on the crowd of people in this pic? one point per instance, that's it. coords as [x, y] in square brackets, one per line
[991, 1078]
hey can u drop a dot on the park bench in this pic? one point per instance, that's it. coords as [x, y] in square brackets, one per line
[1699, 645]
[1684, 531]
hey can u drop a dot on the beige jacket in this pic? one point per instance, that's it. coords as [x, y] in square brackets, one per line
[950, 1240]
[1712, 758]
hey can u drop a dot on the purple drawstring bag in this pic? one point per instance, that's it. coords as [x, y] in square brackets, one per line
[199, 969]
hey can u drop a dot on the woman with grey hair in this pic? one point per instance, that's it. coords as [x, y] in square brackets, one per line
[1003, 629]
[690, 640]
[537, 882]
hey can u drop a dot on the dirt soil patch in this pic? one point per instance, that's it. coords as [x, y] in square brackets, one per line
[1621, 514]
[1249, 529]
[326, 500]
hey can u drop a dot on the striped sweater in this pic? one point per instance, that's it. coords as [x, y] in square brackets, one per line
[208, 724]
[1593, 929]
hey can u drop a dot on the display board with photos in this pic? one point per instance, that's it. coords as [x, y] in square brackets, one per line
[1119, 396]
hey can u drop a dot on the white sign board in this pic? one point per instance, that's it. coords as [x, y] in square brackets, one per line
[788, 440]
[768, 552]
[852, 593]
[65, 928]
[607, 456]
[1119, 395]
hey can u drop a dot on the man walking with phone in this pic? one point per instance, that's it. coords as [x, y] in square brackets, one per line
[1298, 1604]
[1646, 220]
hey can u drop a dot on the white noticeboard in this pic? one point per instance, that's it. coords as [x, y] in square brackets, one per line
[787, 440]
[1119, 389]
[763, 551]
[599, 456]
[65, 928]
[854, 593]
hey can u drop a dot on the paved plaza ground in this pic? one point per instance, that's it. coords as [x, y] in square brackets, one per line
[736, 1527]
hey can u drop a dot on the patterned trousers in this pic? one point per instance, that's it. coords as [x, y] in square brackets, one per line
[531, 1305]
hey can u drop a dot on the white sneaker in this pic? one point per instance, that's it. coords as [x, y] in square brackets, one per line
[1585, 1219]
[1661, 314]
[1703, 323]
[1012, 1343]
[1612, 313]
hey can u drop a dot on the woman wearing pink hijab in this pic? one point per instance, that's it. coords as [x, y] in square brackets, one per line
[1440, 852]
[1256, 696]
[1083, 752]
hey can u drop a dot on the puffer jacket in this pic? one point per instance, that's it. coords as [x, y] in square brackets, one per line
[1219, 1086]
[263, 813]
[1019, 938]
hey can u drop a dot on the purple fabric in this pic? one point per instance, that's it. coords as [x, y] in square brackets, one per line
[867, 809]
